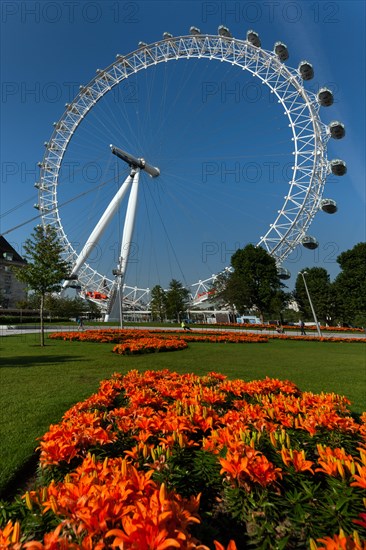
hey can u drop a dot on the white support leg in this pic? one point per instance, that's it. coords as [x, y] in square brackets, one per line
[129, 225]
[126, 239]
[99, 228]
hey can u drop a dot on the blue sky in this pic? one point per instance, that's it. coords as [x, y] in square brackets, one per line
[222, 144]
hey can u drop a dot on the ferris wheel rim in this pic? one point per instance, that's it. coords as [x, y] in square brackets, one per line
[310, 161]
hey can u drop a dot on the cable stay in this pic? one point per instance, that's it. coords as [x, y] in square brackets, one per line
[57, 207]
[169, 241]
[11, 210]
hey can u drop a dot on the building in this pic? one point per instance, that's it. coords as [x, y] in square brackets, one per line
[11, 290]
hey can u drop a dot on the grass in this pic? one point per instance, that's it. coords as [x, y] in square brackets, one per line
[39, 384]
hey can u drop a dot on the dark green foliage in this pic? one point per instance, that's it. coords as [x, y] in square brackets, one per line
[56, 472]
[303, 509]
[22, 320]
[190, 472]
[158, 303]
[350, 285]
[121, 400]
[71, 307]
[321, 293]
[34, 522]
[176, 300]
[341, 301]
[124, 442]
[334, 438]
[45, 268]
[254, 282]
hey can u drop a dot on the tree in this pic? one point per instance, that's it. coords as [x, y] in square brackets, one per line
[67, 307]
[350, 285]
[321, 294]
[31, 302]
[254, 283]
[158, 303]
[45, 268]
[176, 300]
[93, 310]
[279, 303]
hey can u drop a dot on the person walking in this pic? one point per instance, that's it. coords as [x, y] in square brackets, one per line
[302, 327]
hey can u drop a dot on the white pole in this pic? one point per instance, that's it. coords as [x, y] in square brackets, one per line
[129, 223]
[311, 305]
[99, 228]
[127, 236]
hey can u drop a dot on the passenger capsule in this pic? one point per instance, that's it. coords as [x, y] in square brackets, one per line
[194, 30]
[224, 31]
[309, 242]
[338, 167]
[337, 129]
[253, 38]
[306, 70]
[283, 273]
[72, 108]
[142, 44]
[167, 35]
[280, 49]
[329, 206]
[325, 97]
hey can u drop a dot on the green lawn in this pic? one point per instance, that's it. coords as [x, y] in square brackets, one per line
[39, 384]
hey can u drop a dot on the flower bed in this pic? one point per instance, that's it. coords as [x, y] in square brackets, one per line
[316, 338]
[118, 335]
[121, 336]
[149, 345]
[324, 328]
[163, 461]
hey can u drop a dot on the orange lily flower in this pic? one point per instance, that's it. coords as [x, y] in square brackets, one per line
[296, 459]
[230, 546]
[340, 542]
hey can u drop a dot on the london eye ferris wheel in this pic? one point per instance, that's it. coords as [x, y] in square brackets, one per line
[92, 149]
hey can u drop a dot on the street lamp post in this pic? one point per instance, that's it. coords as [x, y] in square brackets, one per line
[118, 274]
[120, 297]
[303, 273]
